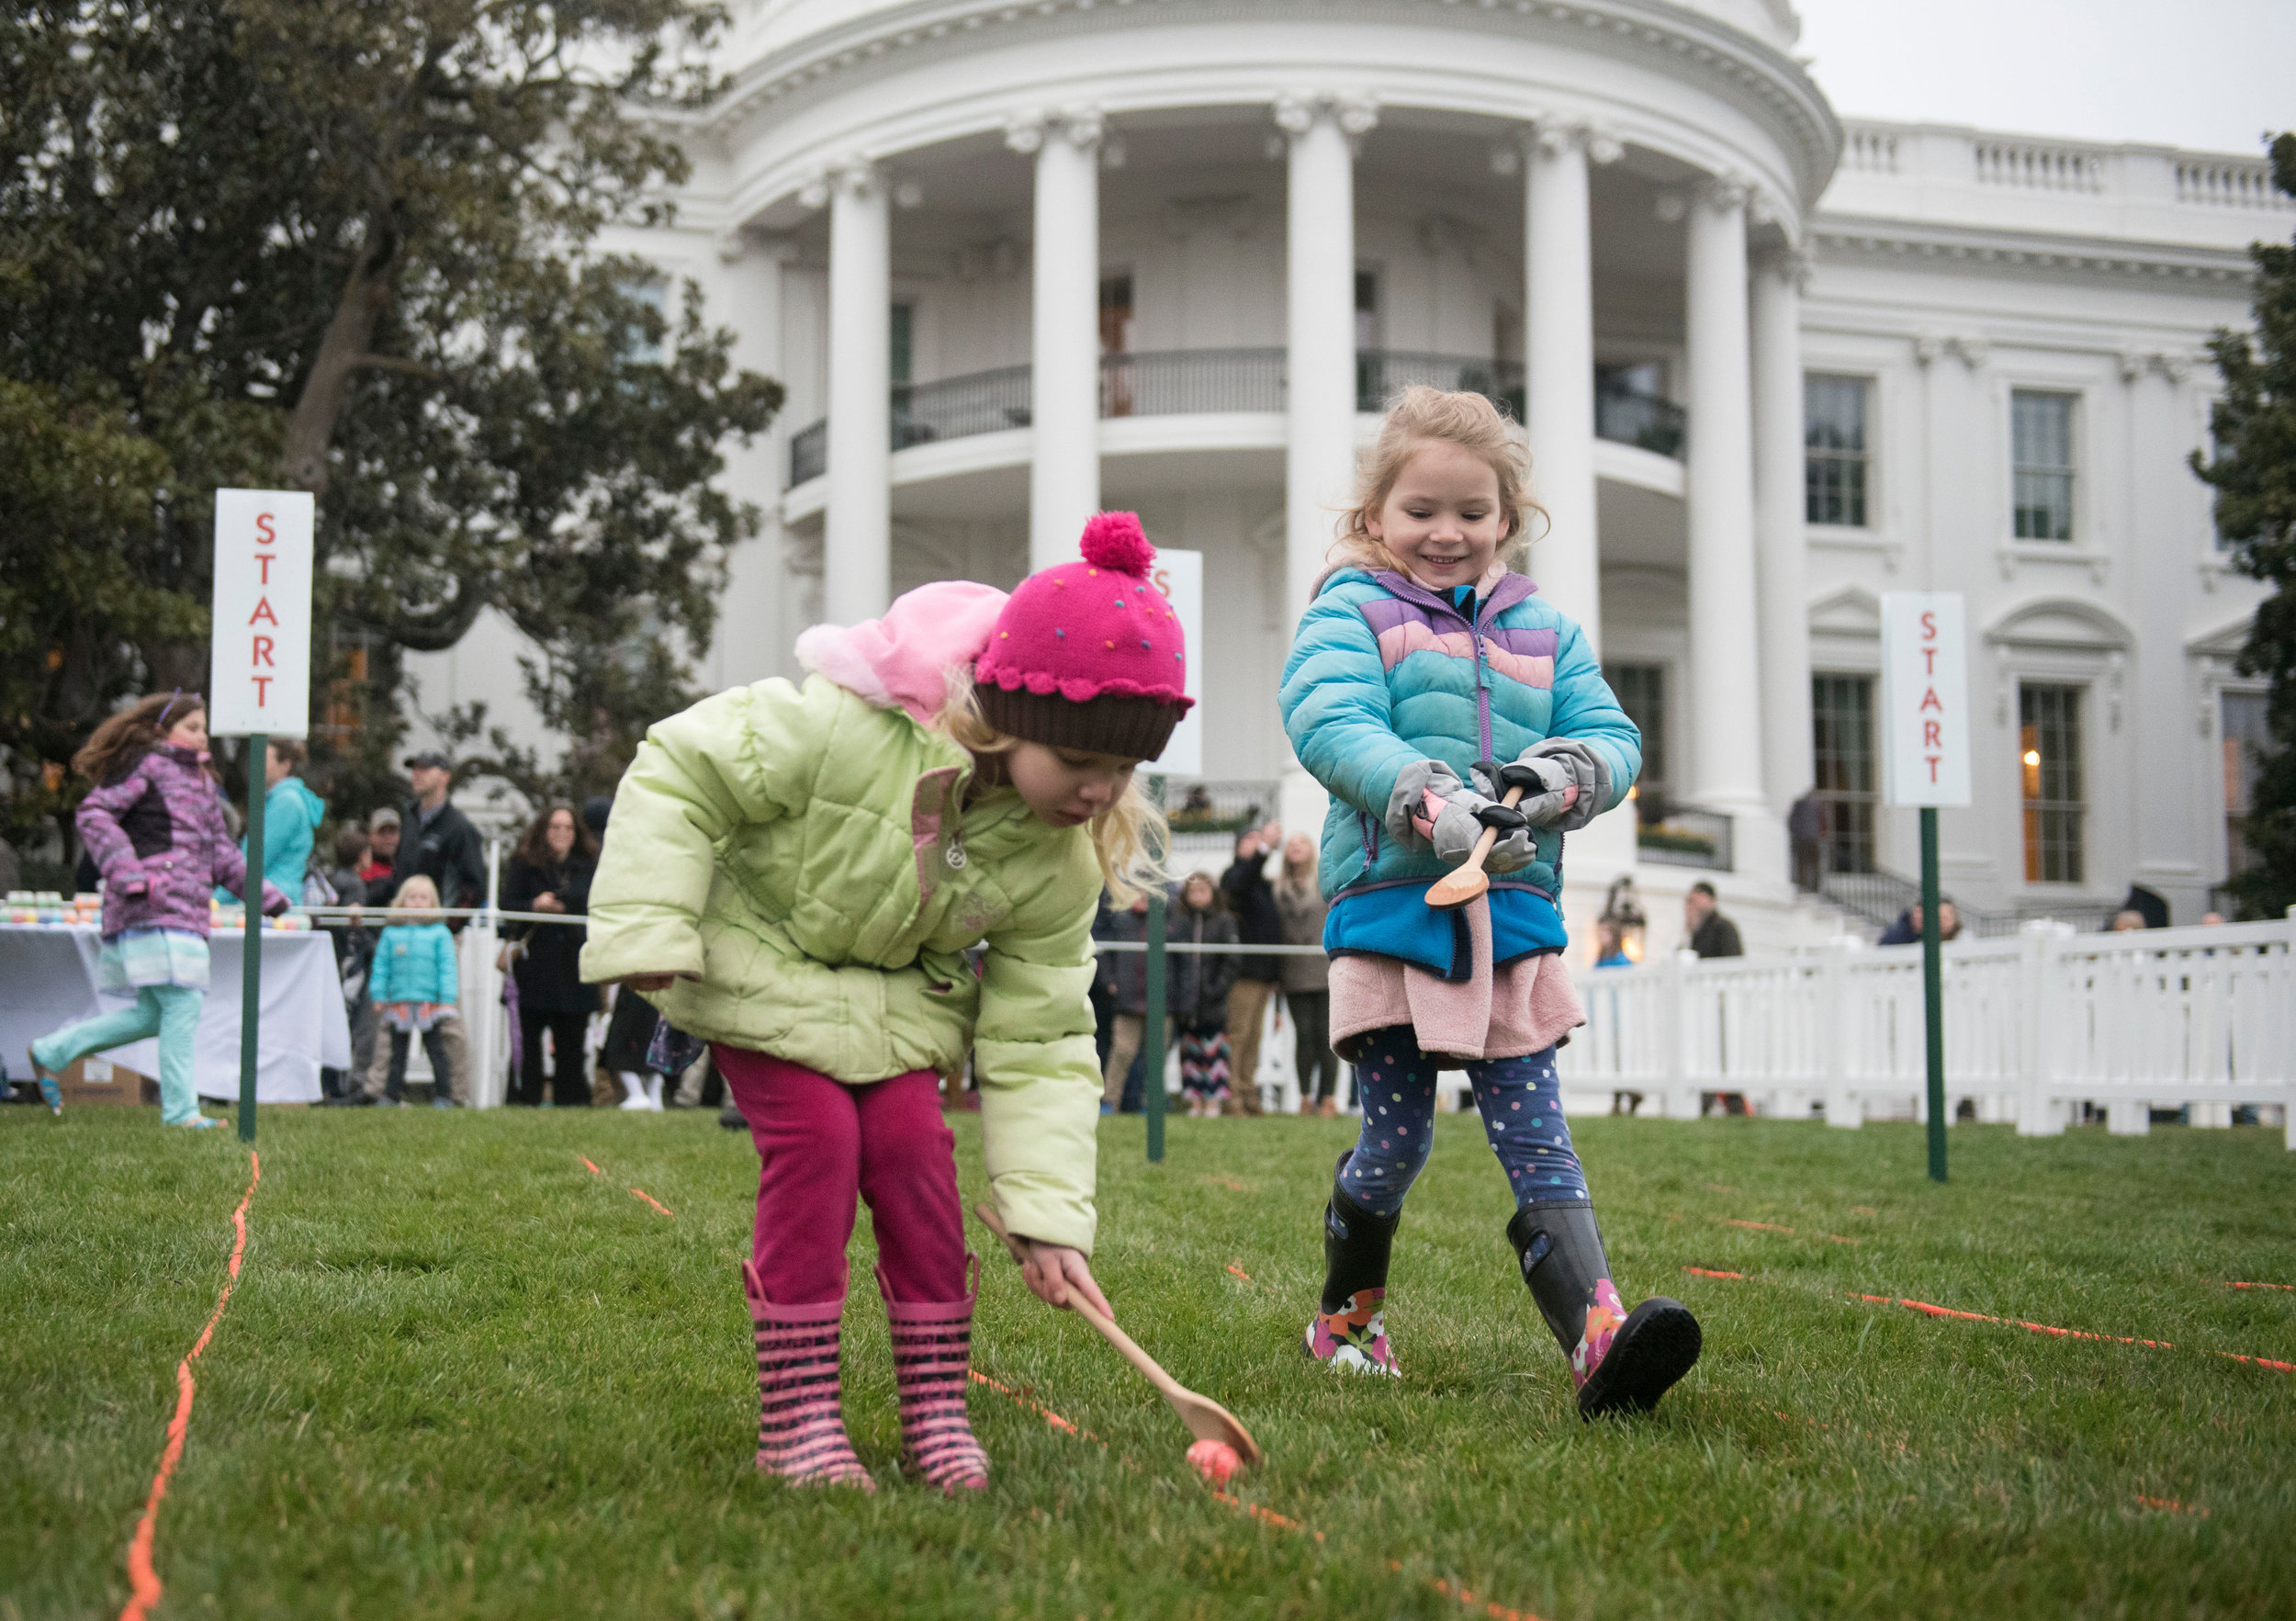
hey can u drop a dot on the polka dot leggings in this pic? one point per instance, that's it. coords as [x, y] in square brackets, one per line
[1522, 1109]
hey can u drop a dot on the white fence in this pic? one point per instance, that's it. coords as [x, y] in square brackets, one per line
[2035, 1025]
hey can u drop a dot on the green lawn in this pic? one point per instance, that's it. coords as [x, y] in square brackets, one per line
[462, 1376]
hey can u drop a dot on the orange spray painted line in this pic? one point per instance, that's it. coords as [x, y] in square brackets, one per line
[1709, 1272]
[1451, 1590]
[2285, 1286]
[1238, 1272]
[2170, 1506]
[1268, 1515]
[143, 1580]
[639, 1192]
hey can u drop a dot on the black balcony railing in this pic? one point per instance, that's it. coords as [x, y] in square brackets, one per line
[1190, 382]
[1186, 382]
[1644, 420]
[1380, 373]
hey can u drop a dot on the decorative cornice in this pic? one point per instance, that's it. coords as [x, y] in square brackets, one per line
[2059, 255]
[1723, 192]
[1929, 348]
[869, 42]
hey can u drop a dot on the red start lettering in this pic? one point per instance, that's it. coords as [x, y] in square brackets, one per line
[1930, 730]
[263, 613]
[263, 561]
[1928, 625]
[264, 534]
[262, 688]
[263, 656]
[1929, 701]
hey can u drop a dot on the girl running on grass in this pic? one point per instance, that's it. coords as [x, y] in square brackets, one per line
[1427, 680]
[154, 824]
[797, 873]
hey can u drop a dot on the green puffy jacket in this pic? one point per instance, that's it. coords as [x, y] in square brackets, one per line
[789, 850]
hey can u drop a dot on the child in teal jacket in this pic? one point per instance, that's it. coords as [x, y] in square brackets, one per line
[414, 984]
[1427, 679]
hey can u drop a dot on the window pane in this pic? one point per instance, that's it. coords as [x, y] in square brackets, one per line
[1641, 691]
[1833, 418]
[2244, 733]
[904, 326]
[1842, 713]
[2051, 776]
[2041, 448]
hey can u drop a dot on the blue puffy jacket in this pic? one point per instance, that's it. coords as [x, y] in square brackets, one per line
[414, 962]
[1385, 673]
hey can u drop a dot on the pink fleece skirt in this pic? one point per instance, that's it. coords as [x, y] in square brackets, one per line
[1524, 1007]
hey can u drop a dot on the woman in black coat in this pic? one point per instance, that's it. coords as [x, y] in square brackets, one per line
[551, 871]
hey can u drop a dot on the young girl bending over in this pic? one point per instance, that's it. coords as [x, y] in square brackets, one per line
[1427, 680]
[796, 873]
[155, 828]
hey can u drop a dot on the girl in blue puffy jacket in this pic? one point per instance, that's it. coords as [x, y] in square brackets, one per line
[414, 984]
[1427, 680]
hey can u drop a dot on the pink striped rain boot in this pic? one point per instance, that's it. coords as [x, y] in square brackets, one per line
[800, 1434]
[932, 1356]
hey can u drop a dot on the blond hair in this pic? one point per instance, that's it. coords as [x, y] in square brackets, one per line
[1414, 416]
[419, 881]
[1120, 834]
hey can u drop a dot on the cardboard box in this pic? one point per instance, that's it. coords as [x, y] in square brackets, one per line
[99, 1080]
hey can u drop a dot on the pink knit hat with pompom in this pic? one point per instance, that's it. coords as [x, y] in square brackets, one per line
[1088, 655]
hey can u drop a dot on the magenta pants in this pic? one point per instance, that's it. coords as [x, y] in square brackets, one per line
[821, 1144]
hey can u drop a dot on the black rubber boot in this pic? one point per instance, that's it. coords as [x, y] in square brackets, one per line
[1622, 1360]
[1349, 1330]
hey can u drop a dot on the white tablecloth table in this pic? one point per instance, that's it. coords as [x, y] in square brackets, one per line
[48, 979]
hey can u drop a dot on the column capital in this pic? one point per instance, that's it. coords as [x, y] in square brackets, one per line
[1790, 265]
[1552, 134]
[1725, 192]
[1354, 112]
[737, 242]
[852, 176]
[1083, 126]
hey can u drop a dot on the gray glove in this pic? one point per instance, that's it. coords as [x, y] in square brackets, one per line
[1565, 784]
[1431, 810]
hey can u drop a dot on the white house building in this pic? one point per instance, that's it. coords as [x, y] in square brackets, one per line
[1016, 262]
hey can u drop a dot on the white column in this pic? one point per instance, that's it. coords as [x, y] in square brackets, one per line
[1064, 384]
[1559, 408]
[1783, 579]
[1558, 370]
[745, 649]
[856, 564]
[1320, 335]
[1725, 683]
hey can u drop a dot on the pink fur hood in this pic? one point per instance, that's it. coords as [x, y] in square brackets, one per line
[902, 660]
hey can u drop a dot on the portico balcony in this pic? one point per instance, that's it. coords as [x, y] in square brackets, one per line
[1184, 382]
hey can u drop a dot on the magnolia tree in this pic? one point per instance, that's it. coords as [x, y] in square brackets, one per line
[351, 249]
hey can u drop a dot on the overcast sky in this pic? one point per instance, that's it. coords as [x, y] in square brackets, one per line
[2208, 74]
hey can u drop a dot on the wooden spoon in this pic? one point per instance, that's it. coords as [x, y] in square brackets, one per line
[1205, 1418]
[1463, 883]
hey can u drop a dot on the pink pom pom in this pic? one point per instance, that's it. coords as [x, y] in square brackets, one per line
[1114, 540]
[1215, 1460]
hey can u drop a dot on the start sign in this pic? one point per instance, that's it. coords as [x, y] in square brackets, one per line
[1925, 700]
[260, 675]
[1180, 576]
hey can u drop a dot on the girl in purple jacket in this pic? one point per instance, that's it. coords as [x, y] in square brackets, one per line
[154, 824]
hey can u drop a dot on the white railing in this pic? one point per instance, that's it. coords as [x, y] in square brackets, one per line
[2037, 167]
[2231, 183]
[1872, 150]
[2034, 1026]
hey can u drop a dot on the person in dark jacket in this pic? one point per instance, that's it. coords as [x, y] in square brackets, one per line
[1252, 902]
[437, 840]
[1200, 984]
[550, 873]
[1907, 930]
[1708, 932]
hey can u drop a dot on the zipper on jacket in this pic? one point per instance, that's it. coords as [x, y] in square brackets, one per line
[1482, 678]
[955, 857]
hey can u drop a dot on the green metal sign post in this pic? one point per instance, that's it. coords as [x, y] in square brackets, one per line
[1151, 1033]
[250, 959]
[1933, 992]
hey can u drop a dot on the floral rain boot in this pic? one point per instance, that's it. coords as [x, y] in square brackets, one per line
[800, 1432]
[1620, 1360]
[932, 1356]
[1349, 1331]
